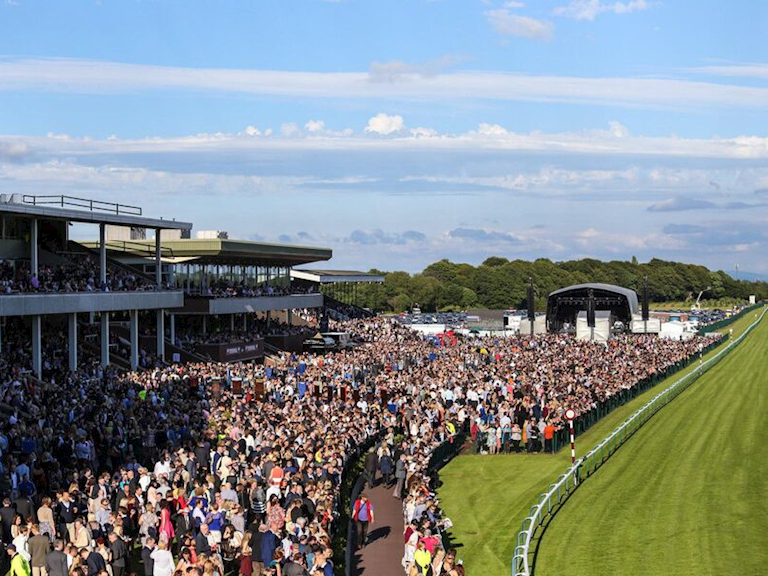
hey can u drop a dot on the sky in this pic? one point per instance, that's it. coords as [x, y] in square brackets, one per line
[401, 132]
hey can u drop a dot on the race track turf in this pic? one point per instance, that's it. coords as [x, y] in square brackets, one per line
[487, 497]
[688, 494]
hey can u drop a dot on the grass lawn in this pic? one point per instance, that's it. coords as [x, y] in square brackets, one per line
[487, 497]
[687, 493]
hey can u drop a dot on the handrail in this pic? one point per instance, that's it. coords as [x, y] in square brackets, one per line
[62, 200]
[130, 245]
[589, 464]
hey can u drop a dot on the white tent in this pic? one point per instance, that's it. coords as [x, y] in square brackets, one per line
[539, 326]
[676, 331]
[650, 326]
[602, 330]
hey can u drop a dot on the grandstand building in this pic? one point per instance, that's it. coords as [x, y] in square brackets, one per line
[45, 274]
[235, 280]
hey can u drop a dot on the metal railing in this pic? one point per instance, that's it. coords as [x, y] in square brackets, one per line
[555, 497]
[82, 203]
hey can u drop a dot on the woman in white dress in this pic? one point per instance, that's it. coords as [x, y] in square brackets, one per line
[163, 560]
[410, 546]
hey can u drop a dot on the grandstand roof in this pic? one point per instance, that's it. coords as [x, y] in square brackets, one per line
[630, 294]
[218, 251]
[336, 276]
[81, 210]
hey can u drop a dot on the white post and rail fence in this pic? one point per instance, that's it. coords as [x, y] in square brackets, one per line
[549, 502]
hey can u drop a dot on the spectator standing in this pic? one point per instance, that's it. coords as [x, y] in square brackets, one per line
[162, 560]
[401, 472]
[146, 556]
[119, 554]
[56, 560]
[371, 464]
[362, 514]
[386, 467]
[38, 546]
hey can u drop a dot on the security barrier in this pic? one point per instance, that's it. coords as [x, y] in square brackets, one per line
[550, 502]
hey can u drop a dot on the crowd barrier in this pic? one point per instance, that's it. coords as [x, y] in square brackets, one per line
[550, 502]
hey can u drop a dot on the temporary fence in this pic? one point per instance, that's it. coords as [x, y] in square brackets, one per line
[554, 498]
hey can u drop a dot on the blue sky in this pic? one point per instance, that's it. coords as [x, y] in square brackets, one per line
[400, 132]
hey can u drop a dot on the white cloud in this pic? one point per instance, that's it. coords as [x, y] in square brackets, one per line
[385, 124]
[314, 126]
[289, 129]
[491, 130]
[397, 70]
[252, 131]
[94, 77]
[488, 138]
[755, 70]
[618, 129]
[590, 9]
[506, 23]
[513, 4]
[423, 132]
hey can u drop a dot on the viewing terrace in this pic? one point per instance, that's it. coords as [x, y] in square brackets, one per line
[43, 272]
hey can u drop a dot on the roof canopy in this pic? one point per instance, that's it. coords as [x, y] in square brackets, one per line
[217, 251]
[629, 294]
[72, 209]
[336, 276]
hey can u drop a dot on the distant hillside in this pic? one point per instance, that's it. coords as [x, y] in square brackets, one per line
[501, 283]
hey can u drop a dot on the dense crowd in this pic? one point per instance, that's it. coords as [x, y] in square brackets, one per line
[80, 273]
[173, 466]
[190, 336]
[223, 288]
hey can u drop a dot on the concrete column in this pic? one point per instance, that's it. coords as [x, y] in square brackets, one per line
[72, 341]
[134, 331]
[34, 248]
[231, 322]
[205, 325]
[158, 261]
[173, 328]
[102, 255]
[105, 339]
[245, 321]
[289, 317]
[37, 350]
[161, 334]
[269, 319]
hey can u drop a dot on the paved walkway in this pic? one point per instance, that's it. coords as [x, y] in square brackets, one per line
[384, 552]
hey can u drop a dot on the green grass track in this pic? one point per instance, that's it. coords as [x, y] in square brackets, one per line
[487, 497]
[687, 494]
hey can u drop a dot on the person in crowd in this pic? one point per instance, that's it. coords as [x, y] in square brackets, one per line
[363, 515]
[56, 563]
[38, 546]
[146, 556]
[162, 560]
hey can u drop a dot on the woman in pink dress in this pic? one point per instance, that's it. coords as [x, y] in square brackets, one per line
[166, 526]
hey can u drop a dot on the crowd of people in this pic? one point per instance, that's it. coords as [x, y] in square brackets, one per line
[79, 273]
[171, 472]
[223, 288]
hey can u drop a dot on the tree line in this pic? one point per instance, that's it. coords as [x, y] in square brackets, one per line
[501, 283]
